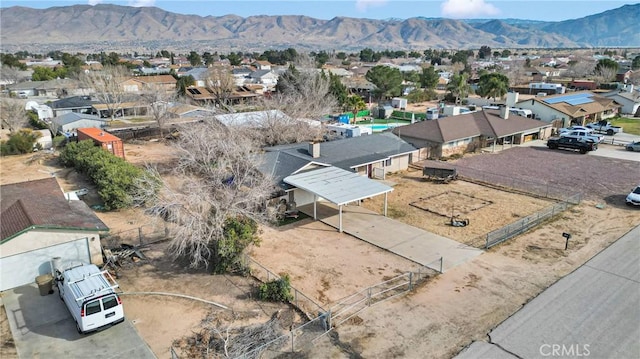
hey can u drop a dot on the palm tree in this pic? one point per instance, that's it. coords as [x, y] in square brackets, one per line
[459, 87]
[355, 103]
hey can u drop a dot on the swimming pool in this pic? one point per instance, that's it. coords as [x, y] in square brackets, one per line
[379, 127]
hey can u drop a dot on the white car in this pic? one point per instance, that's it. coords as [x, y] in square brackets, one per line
[583, 136]
[574, 128]
[633, 199]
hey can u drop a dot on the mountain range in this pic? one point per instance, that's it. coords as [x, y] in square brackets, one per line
[123, 28]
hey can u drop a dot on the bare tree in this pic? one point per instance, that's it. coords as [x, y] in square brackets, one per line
[605, 74]
[13, 114]
[579, 68]
[221, 83]
[10, 74]
[216, 177]
[516, 73]
[304, 98]
[158, 101]
[107, 84]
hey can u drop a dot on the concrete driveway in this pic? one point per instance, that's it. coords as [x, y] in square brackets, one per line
[42, 327]
[402, 239]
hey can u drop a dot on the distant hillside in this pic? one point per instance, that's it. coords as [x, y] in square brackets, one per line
[119, 28]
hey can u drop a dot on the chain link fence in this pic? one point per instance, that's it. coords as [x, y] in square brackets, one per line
[524, 224]
[145, 234]
[305, 304]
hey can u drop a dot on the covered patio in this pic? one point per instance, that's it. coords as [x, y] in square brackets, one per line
[337, 186]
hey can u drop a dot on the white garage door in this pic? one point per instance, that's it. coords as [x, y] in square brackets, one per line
[23, 268]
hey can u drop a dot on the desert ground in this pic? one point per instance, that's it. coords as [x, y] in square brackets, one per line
[436, 320]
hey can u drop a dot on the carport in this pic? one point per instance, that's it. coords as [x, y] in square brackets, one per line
[337, 186]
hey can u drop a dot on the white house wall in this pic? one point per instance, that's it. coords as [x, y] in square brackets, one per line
[71, 127]
[303, 197]
[40, 238]
[545, 113]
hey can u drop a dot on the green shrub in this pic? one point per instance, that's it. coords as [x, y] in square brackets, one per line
[114, 177]
[277, 290]
[239, 233]
[23, 141]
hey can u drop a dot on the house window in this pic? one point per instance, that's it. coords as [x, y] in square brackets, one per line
[387, 162]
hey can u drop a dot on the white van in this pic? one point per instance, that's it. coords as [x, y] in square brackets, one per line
[90, 296]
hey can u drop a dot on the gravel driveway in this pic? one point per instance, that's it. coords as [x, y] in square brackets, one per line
[597, 178]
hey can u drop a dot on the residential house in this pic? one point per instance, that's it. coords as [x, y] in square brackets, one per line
[154, 71]
[103, 139]
[567, 109]
[241, 75]
[142, 84]
[38, 223]
[629, 99]
[68, 123]
[580, 85]
[262, 65]
[370, 156]
[623, 75]
[77, 104]
[267, 78]
[470, 132]
[207, 95]
[186, 112]
[199, 74]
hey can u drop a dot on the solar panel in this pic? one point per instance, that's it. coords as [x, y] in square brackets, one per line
[579, 101]
[574, 99]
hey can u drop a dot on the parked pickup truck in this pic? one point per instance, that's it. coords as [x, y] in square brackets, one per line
[604, 127]
[584, 136]
[571, 143]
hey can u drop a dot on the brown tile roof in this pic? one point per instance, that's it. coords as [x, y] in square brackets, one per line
[481, 123]
[156, 79]
[41, 203]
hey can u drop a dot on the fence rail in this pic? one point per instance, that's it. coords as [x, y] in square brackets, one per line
[524, 224]
[141, 235]
[305, 304]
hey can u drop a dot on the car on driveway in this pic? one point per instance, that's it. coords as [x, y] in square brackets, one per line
[633, 146]
[574, 128]
[633, 199]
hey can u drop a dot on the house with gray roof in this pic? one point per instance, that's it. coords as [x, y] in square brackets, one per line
[337, 165]
[78, 104]
[629, 99]
[470, 132]
[68, 123]
[371, 156]
[265, 77]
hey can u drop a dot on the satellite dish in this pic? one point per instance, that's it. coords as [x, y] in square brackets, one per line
[31, 105]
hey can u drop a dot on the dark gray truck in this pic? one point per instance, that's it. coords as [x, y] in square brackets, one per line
[571, 143]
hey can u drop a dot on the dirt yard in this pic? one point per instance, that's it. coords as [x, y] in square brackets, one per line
[440, 318]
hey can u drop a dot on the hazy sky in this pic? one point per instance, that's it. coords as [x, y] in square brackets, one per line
[373, 9]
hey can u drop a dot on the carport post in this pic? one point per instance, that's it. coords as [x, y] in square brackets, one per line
[385, 203]
[340, 218]
[315, 213]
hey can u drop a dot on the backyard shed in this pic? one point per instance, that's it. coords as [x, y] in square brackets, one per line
[103, 139]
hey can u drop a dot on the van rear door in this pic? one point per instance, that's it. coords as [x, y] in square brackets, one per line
[91, 315]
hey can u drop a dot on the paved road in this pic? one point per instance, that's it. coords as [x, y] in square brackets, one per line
[593, 312]
[402, 239]
[42, 327]
[605, 149]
